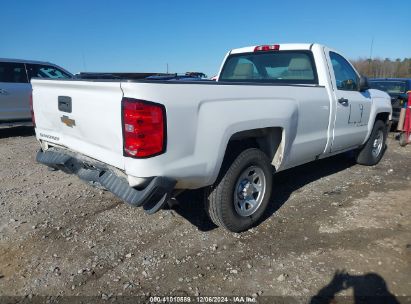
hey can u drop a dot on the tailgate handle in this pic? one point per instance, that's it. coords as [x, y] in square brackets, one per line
[64, 104]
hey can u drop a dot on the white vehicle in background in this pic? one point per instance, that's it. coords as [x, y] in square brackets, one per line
[15, 88]
[273, 107]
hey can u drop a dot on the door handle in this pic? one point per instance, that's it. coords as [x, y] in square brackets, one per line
[343, 101]
[3, 92]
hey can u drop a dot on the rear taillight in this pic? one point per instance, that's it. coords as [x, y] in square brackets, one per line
[144, 128]
[266, 48]
[32, 111]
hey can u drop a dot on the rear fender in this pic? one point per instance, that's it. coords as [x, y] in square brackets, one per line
[235, 116]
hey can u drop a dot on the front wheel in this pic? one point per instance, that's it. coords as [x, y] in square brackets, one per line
[373, 150]
[240, 196]
[403, 139]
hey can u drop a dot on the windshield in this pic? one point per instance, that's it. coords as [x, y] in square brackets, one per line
[391, 87]
[273, 67]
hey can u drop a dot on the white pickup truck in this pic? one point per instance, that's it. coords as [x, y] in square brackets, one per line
[272, 107]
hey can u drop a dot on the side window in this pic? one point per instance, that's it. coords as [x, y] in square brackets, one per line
[345, 76]
[12, 72]
[46, 71]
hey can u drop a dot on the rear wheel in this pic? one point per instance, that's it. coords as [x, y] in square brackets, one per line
[240, 196]
[373, 150]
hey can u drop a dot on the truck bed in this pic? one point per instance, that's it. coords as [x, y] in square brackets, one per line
[196, 111]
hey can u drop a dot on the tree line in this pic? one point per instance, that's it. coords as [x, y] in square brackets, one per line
[383, 68]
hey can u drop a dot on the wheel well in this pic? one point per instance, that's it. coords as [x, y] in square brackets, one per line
[383, 116]
[268, 140]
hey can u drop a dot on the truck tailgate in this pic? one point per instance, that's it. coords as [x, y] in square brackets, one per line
[93, 124]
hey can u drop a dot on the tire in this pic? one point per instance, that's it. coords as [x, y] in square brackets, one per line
[373, 150]
[403, 139]
[236, 210]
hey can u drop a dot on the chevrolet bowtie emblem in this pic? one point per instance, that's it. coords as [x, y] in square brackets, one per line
[67, 121]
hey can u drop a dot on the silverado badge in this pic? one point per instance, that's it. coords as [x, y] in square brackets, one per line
[68, 121]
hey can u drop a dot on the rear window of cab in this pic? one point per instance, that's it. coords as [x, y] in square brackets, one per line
[295, 67]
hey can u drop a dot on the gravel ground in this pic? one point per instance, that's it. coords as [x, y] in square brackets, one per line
[60, 237]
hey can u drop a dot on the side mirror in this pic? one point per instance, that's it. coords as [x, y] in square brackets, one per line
[364, 86]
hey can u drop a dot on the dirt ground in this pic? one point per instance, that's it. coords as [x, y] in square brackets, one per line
[61, 237]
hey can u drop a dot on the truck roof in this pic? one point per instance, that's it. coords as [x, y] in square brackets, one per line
[390, 79]
[283, 46]
[25, 61]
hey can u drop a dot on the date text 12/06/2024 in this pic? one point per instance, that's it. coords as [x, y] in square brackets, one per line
[203, 299]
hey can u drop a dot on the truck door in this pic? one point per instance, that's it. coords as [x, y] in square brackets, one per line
[14, 92]
[352, 107]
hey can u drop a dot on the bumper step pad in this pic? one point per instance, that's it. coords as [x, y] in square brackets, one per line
[153, 197]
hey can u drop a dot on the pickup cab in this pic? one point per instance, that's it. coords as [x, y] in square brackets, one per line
[272, 107]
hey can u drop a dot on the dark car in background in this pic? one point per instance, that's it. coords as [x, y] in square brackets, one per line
[395, 87]
[15, 88]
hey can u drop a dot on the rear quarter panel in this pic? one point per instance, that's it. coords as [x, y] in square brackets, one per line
[201, 118]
